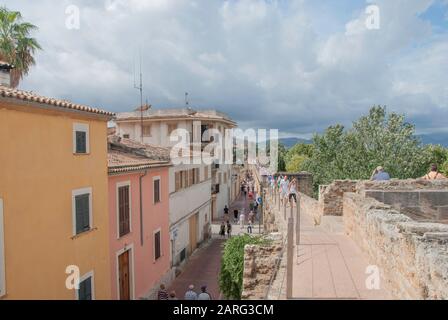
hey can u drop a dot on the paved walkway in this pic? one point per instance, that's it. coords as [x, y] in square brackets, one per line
[202, 268]
[329, 265]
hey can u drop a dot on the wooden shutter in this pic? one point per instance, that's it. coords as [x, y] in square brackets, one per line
[198, 175]
[123, 211]
[177, 181]
[81, 142]
[82, 204]
[206, 173]
[157, 246]
[85, 289]
[156, 191]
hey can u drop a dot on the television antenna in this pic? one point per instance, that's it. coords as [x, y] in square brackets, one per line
[140, 88]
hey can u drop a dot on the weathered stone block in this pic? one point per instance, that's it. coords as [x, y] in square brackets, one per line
[402, 198]
[433, 198]
[377, 195]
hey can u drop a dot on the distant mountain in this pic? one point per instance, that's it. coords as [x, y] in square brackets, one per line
[291, 142]
[435, 138]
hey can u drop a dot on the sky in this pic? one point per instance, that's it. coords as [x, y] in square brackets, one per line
[298, 66]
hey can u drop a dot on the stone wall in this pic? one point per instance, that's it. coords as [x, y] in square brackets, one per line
[311, 207]
[412, 256]
[422, 200]
[260, 265]
[331, 198]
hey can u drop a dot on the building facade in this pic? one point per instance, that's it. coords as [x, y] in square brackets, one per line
[139, 221]
[198, 191]
[54, 218]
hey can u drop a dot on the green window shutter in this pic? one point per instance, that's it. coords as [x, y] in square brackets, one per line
[81, 142]
[82, 204]
[85, 289]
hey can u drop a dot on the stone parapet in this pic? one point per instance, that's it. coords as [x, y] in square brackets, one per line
[412, 256]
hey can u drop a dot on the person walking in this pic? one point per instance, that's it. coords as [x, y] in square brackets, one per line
[242, 220]
[190, 294]
[284, 189]
[249, 228]
[222, 229]
[204, 295]
[235, 215]
[434, 174]
[293, 191]
[251, 216]
[162, 294]
[229, 230]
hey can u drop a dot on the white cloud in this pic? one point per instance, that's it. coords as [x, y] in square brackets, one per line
[264, 62]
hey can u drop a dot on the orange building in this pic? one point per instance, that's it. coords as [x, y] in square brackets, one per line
[53, 198]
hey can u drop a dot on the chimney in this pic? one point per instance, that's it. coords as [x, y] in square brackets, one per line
[5, 74]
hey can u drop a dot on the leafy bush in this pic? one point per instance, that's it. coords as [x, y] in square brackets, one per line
[232, 265]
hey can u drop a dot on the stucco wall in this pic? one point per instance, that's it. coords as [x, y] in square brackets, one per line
[146, 271]
[38, 173]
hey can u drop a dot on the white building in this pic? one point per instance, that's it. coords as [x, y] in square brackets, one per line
[198, 192]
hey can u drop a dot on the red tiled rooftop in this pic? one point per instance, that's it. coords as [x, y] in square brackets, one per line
[28, 96]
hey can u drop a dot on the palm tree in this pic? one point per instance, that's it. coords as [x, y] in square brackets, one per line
[16, 45]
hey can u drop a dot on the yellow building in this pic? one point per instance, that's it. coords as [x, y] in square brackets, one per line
[53, 198]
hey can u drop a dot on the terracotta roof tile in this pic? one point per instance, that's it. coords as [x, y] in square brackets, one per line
[126, 155]
[64, 104]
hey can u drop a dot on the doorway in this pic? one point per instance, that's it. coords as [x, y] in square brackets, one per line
[124, 275]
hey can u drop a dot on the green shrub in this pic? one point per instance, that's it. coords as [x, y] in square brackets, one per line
[232, 265]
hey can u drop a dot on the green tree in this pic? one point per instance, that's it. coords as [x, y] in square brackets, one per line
[376, 139]
[17, 47]
[232, 265]
[297, 155]
[295, 163]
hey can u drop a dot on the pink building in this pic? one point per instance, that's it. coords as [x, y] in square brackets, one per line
[139, 218]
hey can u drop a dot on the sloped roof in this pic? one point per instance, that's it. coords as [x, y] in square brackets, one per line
[28, 96]
[125, 155]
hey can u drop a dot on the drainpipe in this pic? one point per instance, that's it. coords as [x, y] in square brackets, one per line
[141, 207]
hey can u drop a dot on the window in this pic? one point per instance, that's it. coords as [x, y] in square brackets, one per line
[82, 210]
[86, 291]
[157, 190]
[124, 209]
[2, 253]
[147, 130]
[81, 138]
[157, 245]
[171, 128]
[126, 136]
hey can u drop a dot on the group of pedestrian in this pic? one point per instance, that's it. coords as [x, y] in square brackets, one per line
[226, 227]
[189, 295]
[288, 188]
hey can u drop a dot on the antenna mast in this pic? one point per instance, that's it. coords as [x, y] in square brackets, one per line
[140, 88]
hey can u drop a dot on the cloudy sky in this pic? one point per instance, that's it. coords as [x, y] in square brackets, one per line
[298, 65]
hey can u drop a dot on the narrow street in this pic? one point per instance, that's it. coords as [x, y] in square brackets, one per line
[204, 265]
[202, 269]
